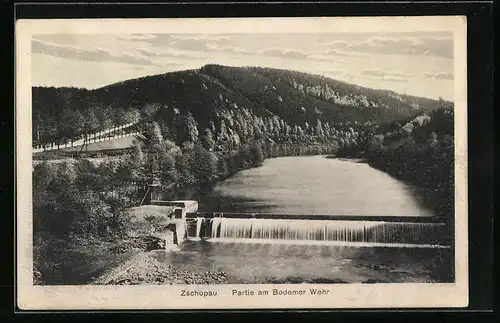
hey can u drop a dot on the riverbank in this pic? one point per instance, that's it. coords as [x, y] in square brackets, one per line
[144, 268]
[353, 160]
[437, 195]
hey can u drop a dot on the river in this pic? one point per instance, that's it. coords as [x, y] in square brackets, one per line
[314, 185]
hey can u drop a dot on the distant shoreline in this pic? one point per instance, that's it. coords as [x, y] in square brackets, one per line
[354, 160]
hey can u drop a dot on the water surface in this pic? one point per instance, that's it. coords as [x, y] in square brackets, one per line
[291, 263]
[314, 185]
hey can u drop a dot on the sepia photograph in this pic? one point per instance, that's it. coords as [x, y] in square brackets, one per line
[254, 162]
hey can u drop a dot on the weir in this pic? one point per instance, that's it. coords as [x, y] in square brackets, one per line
[340, 230]
[370, 231]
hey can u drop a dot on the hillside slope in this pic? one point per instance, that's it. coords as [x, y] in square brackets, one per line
[215, 93]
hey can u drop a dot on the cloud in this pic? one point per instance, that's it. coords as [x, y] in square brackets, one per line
[386, 76]
[337, 52]
[216, 43]
[167, 53]
[198, 42]
[227, 49]
[137, 37]
[430, 46]
[149, 52]
[440, 75]
[201, 37]
[189, 44]
[334, 73]
[94, 54]
[284, 53]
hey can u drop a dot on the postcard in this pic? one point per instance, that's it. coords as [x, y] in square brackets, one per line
[241, 163]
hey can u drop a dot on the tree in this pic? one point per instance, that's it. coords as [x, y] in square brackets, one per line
[208, 140]
[92, 123]
[256, 155]
[168, 172]
[223, 136]
[132, 115]
[288, 131]
[257, 133]
[432, 141]
[172, 148]
[192, 128]
[234, 139]
[222, 168]
[204, 165]
[276, 126]
[270, 127]
[71, 124]
[319, 128]
[327, 129]
[136, 163]
[152, 168]
[300, 132]
[149, 111]
[306, 127]
[211, 126]
[156, 142]
[187, 146]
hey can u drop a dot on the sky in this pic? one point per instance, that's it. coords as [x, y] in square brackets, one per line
[417, 63]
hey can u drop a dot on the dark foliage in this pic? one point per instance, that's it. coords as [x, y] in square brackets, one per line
[212, 96]
[420, 150]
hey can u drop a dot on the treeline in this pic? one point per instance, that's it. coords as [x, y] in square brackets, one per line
[209, 95]
[64, 114]
[419, 150]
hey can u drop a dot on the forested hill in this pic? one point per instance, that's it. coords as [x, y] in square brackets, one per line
[215, 97]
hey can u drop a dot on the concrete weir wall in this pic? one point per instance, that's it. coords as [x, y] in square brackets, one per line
[178, 224]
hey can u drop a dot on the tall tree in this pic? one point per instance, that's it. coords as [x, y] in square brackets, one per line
[192, 128]
[204, 165]
[319, 128]
[208, 140]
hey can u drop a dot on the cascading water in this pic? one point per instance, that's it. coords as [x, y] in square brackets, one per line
[199, 222]
[370, 233]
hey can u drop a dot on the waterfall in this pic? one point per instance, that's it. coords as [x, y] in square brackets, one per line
[199, 222]
[335, 231]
